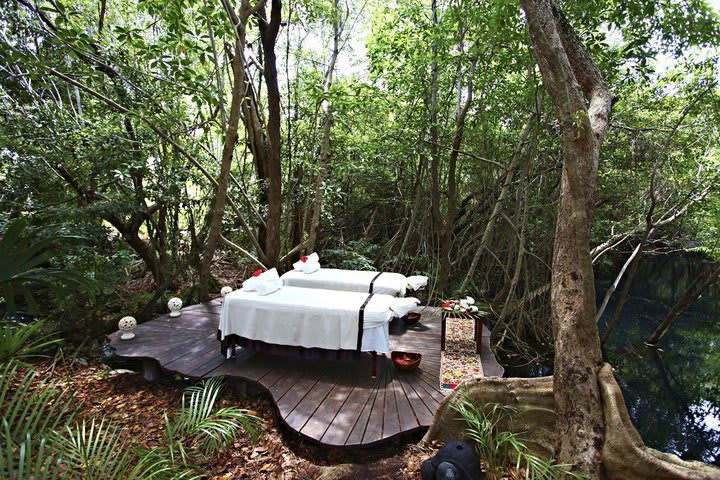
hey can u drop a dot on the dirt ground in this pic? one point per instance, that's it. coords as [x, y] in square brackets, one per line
[137, 407]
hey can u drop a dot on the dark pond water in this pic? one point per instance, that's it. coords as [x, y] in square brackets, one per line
[672, 393]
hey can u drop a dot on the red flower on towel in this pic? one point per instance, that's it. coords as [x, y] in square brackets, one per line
[303, 258]
[257, 272]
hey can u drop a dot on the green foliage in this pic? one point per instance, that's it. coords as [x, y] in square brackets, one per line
[200, 427]
[32, 407]
[23, 260]
[355, 255]
[20, 342]
[97, 451]
[39, 439]
[500, 448]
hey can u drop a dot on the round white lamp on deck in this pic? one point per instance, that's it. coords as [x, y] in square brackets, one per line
[175, 304]
[126, 326]
[225, 290]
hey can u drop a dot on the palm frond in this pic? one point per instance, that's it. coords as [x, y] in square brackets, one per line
[29, 459]
[22, 261]
[31, 405]
[200, 424]
[31, 408]
[95, 451]
[486, 428]
[17, 342]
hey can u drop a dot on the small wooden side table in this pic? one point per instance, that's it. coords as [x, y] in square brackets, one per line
[465, 316]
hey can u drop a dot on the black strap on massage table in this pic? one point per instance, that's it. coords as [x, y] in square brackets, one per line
[361, 320]
[373, 281]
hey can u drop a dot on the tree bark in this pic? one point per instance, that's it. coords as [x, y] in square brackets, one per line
[324, 156]
[218, 208]
[582, 103]
[623, 455]
[268, 36]
[444, 263]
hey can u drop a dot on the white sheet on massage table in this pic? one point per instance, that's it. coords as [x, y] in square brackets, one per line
[351, 280]
[308, 317]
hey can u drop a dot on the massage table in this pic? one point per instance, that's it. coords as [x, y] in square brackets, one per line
[311, 318]
[388, 283]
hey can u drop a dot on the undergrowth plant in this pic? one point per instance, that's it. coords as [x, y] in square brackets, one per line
[202, 429]
[499, 448]
[40, 438]
[20, 342]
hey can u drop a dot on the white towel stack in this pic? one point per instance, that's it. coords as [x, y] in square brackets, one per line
[310, 265]
[402, 306]
[264, 284]
[416, 282]
[269, 286]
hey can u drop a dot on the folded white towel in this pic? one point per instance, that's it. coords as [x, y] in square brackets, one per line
[402, 306]
[269, 286]
[311, 267]
[252, 283]
[416, 282]
[300, 265]
[271, 274]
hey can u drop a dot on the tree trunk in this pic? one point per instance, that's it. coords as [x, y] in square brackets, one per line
[324, 157]
[268, 35]
[218, 208]
[444, 263]
[623, 455]
[582, 102]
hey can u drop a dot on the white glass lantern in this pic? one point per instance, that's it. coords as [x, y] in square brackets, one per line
[175, 304]
[225, 290]
[126, 326]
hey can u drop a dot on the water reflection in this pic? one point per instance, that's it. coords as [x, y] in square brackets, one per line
[673, 392]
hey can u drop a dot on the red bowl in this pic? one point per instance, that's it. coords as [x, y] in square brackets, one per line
[405, 360]
[411, 318]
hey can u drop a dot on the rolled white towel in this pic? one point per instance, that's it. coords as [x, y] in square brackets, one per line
[269, 286]
[299, 266]
[252, 283]
[416, 282]
[271, 274]
[311, 267]
[402, 306]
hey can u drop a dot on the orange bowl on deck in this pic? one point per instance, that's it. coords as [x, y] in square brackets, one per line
[405, 360]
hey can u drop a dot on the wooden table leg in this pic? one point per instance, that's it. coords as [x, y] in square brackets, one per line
[478, 333]
[442, 333]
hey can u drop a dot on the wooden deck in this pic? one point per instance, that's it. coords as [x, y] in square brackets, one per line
[334, 403]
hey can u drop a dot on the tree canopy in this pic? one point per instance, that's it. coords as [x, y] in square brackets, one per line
[415, 136]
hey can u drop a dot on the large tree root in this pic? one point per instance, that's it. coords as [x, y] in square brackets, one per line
[625, 456]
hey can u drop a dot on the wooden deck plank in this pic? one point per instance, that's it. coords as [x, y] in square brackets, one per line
[345, 420]
[333, 410]
[421, 412]
[391, 415]
[358, 430]
[314, 426]
[407, 420]
[334, 403]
